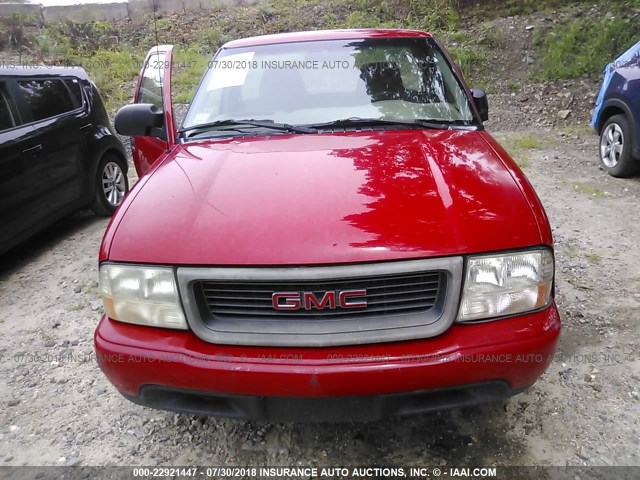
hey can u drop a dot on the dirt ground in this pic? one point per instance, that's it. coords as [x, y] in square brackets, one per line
[58, 409]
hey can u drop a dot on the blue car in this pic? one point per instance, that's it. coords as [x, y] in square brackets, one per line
[617, 115]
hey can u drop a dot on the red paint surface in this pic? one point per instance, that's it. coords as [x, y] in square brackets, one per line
[516, 350]
[320, 35]
[327, 198]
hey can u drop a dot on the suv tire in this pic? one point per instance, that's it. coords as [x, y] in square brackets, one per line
[616, 141]
[111, 185]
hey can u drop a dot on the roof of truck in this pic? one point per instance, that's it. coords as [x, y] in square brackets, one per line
[320, 35]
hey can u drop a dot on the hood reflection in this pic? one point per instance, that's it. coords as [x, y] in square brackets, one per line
[424, 187]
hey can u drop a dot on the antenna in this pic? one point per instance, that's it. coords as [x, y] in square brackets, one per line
[160, 65]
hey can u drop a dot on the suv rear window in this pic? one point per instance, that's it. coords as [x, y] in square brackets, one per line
[46, 98]
[6, 116]
[76, 93]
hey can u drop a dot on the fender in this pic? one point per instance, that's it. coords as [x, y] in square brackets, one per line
[621, 105]
[106, 143]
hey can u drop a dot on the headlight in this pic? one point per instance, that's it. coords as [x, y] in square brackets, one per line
[141, 295]
[507, 284]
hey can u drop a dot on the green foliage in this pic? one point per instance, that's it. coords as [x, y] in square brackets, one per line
[455, 37]
[490, 38]
[501, 8]
[4, 36]
[516, 143]
[266, 11]
[330, 20]
[513, 86]
[519, 147]
[12, 30]
[53, 45]
[434, 15]
[593, 257]
[188, 67]
[81, 36]
[470, 59]
[589, 190]
[113, 73]
[214, 38]
[97, 28]
[358, 20]
[583, 46]
[365, 20]
[528, 142]
[163, 24]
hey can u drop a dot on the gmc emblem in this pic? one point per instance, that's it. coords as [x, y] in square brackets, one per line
[309, 300]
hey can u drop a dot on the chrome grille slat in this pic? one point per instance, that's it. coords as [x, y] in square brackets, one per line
[402, 292]
[384, 301]
[329, 319]
[426, 277]
[324, 313]
[266, 296]
[436, 282]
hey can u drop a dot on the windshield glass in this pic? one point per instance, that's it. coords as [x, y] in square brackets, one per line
[307, 83]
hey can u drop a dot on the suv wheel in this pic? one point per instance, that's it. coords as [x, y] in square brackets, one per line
[111, 185]
[615, 147]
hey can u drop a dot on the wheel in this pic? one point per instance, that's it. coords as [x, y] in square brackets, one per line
[615, 147]
[111, 185]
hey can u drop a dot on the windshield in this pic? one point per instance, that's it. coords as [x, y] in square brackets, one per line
[307, 83]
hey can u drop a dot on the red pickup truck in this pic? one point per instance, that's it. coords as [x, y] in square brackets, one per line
[330, 234]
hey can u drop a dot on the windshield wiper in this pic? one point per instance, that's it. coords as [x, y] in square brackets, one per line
[251, 122]
[361, 122]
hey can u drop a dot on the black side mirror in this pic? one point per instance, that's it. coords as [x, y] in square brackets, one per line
[480, 99]
[140, 120]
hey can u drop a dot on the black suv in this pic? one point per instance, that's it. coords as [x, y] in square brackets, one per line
[58, 151]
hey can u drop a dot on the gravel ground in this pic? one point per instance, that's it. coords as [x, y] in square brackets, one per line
[58, 409]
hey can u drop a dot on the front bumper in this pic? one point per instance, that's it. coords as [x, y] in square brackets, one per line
[465, 365]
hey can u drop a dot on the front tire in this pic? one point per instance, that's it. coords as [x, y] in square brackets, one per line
[111, 185]
[616, 141]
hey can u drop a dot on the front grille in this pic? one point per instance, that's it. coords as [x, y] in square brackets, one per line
[405, 300]
[385, 295]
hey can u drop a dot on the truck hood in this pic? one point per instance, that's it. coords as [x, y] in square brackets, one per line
[322, 199]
